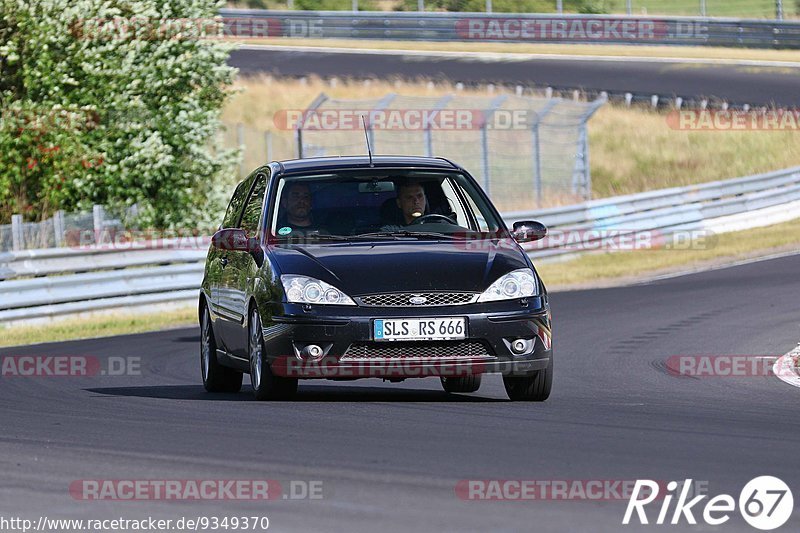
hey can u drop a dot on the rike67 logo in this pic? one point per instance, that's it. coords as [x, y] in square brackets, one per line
[766, 503]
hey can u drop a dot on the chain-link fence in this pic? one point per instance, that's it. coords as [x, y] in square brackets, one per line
[65, 229]
[526, 152]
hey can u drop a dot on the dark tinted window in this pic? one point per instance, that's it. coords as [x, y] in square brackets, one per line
[235, 207]
[252, 211]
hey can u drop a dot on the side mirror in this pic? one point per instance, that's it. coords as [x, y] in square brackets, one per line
[528, 231]
[234, 240]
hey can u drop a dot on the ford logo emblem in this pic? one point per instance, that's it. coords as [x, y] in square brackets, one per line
[417, 300]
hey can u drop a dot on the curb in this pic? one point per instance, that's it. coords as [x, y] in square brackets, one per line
[785, 368]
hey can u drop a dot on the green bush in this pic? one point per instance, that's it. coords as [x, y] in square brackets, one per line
[101, 104]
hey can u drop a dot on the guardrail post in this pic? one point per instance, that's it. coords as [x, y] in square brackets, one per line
[702, 8]
[559, 6]
[58, 228]
[488, 6]
[420, 5]
[17, 241]
[98, 216]
[629, 7]
[779, 9]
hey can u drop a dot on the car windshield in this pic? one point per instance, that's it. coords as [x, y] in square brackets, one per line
[391, 205]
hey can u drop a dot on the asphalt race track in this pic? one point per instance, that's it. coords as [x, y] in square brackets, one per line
[732, 83]
[389, 455]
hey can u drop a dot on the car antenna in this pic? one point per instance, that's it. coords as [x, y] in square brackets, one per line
[366, 136]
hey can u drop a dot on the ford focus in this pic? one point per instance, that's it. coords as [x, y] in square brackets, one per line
[387, 267]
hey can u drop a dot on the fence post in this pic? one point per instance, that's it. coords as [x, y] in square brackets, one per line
[98, 215]
[559, 6]
[537, 158]
[58, 228]
[493, 106]
[240, 144]
[17, 241]
[355, 5]
[420, 5]
[779, 9]
[629, 7]
[703, 8]
[488, 6]
[268, 144]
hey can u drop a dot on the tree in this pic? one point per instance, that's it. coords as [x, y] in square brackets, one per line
[111, 102]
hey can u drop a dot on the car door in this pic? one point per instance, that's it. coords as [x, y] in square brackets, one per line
[218, 258]
[240, 269]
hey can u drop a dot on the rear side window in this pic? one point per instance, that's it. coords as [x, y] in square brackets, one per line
[252, 211]
[235, 207]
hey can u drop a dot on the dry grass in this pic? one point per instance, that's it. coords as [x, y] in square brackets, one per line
[100, 326]
[600, 268]
[632, 150]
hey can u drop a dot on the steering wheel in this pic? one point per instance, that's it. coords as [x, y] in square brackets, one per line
[425, 218]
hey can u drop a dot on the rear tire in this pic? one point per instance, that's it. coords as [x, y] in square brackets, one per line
[266, 385]
[465, 384]
[216, 378]
[533, 388]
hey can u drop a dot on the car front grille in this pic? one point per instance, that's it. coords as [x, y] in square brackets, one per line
[425, 299]
[402, 351]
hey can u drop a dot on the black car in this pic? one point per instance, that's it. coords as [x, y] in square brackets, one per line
[351, 267]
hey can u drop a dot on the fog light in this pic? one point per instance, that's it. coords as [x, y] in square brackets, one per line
[519, 346]
[312, 351]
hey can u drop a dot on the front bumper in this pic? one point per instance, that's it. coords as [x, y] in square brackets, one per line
[345, 335]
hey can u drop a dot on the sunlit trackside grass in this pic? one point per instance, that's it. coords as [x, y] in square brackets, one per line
[616, 267]
[616, 50]
[631, 149]
[110, 325]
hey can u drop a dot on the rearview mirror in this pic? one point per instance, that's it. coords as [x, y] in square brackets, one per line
[528, 231]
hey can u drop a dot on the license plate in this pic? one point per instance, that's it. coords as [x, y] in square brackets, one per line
[420, 329]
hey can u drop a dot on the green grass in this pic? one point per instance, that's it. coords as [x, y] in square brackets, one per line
[723, 248]
[98, 326]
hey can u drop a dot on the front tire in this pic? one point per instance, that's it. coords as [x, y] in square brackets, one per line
[465, 384]
[266, 385]
[216, 378]
[533, 388]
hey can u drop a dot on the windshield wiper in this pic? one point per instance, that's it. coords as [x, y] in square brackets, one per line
[406, 233]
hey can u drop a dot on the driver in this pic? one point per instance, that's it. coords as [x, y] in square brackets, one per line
[296, 209]
[411, 200]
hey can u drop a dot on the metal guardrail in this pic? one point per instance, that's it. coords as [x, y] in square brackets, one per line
[53, 282]
[665, 214]
[513, 27]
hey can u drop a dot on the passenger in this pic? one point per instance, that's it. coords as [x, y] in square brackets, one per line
[296, 209]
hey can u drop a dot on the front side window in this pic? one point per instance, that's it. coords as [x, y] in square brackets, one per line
[235, 205]
[381, 204]
[252, 211]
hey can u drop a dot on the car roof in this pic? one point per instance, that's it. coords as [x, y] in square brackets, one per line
[353, 162]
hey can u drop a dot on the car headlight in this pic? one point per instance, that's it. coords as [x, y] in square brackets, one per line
[516, 284]
[305, 290]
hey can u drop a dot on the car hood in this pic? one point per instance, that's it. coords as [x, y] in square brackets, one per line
[368, 268]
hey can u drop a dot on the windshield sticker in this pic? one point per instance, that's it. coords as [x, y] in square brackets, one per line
[286, 230]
